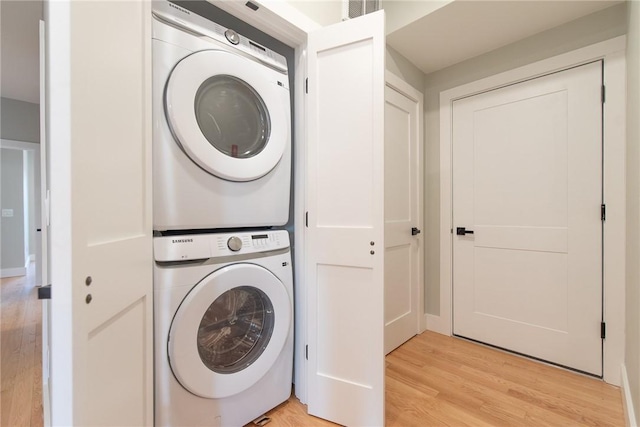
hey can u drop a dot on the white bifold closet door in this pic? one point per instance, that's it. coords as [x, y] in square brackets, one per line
[345, 234]
[99, 134]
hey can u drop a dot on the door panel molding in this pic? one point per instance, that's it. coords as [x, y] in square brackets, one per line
[612, 52]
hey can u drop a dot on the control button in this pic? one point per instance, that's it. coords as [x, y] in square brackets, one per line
[234, 243]
[232, 36]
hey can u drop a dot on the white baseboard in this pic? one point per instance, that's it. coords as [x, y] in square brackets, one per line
[627, 400]
[435, 324]
[13, 272]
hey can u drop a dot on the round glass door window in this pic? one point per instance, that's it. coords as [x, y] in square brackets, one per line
[227, 114]
[232, 116]
[235, 329]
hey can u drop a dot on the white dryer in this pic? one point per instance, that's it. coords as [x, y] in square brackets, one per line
[221, 126]
[223, 325]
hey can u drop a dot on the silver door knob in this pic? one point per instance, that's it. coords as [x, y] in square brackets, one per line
[234, 243]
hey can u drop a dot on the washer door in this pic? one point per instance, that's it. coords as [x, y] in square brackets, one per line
[229, 330]
[228, 113]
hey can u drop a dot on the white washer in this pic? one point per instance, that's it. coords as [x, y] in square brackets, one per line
[223, 320]
[221, 126]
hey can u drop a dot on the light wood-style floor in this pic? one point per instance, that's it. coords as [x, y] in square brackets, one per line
[432, 380]
[20, 352]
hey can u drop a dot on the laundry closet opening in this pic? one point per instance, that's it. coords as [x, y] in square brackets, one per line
[222, 217]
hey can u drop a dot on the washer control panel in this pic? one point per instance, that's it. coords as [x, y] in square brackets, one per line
[205, 246]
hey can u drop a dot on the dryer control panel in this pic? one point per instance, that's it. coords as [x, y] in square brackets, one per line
[216, 245]
[192, 23]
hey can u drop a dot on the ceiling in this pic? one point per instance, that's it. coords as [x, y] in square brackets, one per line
[463, 29]
[19, 23]
[457, 31]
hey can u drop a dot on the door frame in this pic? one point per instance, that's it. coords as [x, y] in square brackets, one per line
[612, 52]
[398, 84]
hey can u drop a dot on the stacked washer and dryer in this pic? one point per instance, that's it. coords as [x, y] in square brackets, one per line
[223, 286]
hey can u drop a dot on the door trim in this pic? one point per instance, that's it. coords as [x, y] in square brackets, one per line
[612, 52]
[396, 83]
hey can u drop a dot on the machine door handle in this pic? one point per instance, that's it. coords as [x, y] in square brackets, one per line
[461, 231]
[415, 231]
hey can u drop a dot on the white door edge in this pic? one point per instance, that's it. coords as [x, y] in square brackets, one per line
[44, 233]
[397, 83]
[300, 207]
[613, 53]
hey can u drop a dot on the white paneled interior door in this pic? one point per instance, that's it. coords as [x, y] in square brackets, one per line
[527, 181]
[402, 211]
[345, 235]
[99, 132]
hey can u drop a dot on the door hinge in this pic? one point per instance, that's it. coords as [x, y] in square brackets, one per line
[306, 219]
[306, 351]
[603, 212]
[603, 93]
[603, 330]
[306, 85]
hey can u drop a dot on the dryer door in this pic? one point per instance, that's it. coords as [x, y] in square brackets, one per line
[229, 330]
[230, 114]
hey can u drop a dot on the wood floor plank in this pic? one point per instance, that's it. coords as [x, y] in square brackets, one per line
[37, 414]
[13, 296]
[432, 380]
[22, 404]
[21, 349]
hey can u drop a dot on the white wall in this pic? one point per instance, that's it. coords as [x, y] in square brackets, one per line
[632, 344]
[398, 12]
[582, 32]
[324, 12]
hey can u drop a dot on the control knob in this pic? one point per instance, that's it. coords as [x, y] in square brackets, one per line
[234, 243]
[232, 36]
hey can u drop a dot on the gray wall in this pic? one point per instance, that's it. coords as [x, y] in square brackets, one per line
[19, 120]
[12, 248]
[632, 312]
[401, 67]
[32, 221]
[582, 32]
